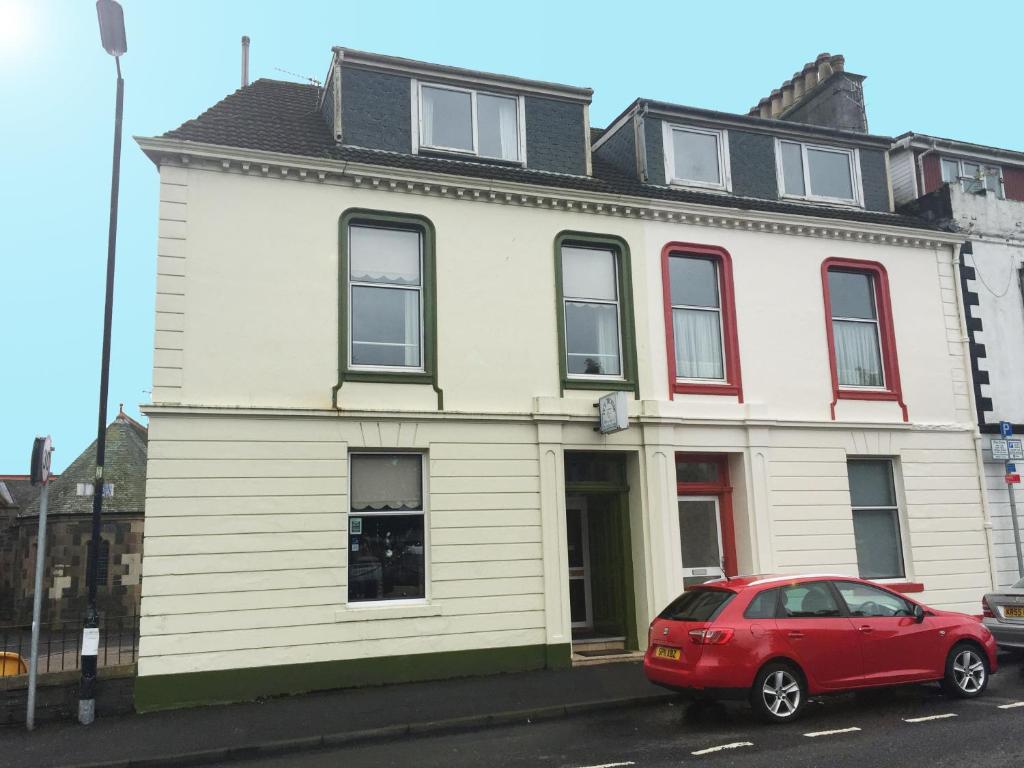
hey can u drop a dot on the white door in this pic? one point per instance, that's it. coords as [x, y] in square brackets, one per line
[700, 539]
[580, 608]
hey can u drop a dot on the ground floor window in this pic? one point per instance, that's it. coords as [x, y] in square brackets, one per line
[386, 536]
[707, 543]
[876, 519]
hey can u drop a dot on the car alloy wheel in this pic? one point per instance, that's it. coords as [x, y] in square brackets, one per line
[969, 672]
[781, 693]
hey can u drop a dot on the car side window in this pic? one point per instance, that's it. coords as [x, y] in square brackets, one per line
[811, 600]
[763, 606]
[865, 600]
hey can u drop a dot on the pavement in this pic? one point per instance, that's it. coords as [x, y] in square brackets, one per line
[296, 724]
[909, 727]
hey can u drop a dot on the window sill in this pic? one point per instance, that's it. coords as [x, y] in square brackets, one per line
[392, 377]
[698, 187]
[697, 388]
[384, 610]
[867, 394]
[469, 157]
[609, 384]
[822, 201]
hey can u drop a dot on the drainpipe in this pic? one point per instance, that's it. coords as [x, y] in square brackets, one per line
[979, 457]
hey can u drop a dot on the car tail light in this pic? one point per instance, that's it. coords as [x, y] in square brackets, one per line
[710, 636]
[986, 609]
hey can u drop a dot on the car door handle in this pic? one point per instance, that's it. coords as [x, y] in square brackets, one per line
[865, 629]
[796, 635]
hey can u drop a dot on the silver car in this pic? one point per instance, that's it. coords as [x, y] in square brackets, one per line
[1003, 614]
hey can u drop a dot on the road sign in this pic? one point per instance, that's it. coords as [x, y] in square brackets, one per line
[40, 468]
[1015, 448]
[1012, 478]
[1000, 450]
[1005, 429]
[1011, 467]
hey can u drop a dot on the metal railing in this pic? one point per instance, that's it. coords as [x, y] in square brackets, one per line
[60, 642]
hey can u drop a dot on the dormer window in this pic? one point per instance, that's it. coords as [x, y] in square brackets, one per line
[812, 172]
[696, 157]
[973, 177]
[470, 122]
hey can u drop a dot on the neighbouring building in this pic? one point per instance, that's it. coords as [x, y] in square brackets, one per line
[69, 533]
[387, 307]
[978, 191]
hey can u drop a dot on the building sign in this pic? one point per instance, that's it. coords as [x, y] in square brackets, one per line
[1000, 450]
[1015, 448]
[613, 410]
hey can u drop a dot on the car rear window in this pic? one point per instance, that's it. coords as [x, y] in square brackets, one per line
[764, 606]
[697, 605]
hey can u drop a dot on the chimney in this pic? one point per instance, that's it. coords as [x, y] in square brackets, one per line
[822, 93]
[245, 60]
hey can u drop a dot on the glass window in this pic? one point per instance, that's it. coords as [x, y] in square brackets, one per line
[811, 600]
[865, 600]
[950, 170]
[697, 605]
[696, 318]
[699, 541]
[591, 302]
[386, 543]
[876, 519]
[385, 297]
[764, 606]
[696, 156]
[697, 471]
[468, 121]
[855, 330]
[817, 172]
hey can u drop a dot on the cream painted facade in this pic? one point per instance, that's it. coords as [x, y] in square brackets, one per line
[246, 531]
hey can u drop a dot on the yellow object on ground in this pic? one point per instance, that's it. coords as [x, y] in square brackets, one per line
[12, 664]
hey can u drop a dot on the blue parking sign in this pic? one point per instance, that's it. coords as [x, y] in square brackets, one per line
[1005, 428]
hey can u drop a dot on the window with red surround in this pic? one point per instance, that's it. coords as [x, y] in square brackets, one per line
[858, 326]
[700, 321]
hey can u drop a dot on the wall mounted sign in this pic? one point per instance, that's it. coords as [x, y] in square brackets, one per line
[613, 412]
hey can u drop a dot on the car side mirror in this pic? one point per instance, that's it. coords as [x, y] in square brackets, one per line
[918, 613]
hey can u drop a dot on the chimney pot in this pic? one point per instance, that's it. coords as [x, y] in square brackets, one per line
[787, 94]
[798, 86]
[838, 63]
[245, 60]
[776, 102]
[824, 63]
[765, 107]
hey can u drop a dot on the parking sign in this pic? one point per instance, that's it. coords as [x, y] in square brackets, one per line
[1005, 429]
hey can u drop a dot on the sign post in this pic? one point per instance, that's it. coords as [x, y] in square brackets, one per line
[41, 450]
[1011, 450]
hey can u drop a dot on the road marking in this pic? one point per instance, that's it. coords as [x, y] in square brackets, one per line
[926, 719]
[1012, 706]
[608, 765]
[816, 734]
[733, 745]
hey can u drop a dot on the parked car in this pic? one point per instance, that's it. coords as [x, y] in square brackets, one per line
[775, 640]
[1003, 613]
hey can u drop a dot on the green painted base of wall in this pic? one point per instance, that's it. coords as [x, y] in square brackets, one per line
[232, 685]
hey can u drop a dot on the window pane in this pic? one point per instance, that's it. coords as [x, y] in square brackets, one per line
[852, 294]
[693, 281]
[696, 156]
[698, 533]
[792, 169]
[698, 340]
[587, 467]
[379, 255]
[696, 471]
[385, 560]
[385, 326]
[697, 605]
[992, 179]
[497, 127]
[950, 170]
[971, 170]
[877, 534]
[592, 338]
[858, 361]
[386, 481]
[871, 483]
[830, 174]
[814, 600]
[588, 273]
[864, 600]
[447, 119]
[763, 606]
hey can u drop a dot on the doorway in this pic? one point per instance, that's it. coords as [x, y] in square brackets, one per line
[707, 539]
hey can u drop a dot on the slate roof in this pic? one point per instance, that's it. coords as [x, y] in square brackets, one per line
[124, 467]
[279, 116]
[21, 489]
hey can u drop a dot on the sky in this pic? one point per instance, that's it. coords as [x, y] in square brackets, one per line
[946, 72]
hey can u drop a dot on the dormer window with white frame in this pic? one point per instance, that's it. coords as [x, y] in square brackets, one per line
[696, 157]
[818, 173]
[469, 122]
[973, 176]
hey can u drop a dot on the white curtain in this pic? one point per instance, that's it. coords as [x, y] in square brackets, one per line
[412, 328]
[507, 129]
[386, 481]
[607, 327]
[698, 336]
[427, 118]
[858, 363]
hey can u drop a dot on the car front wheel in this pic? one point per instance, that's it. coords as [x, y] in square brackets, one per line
[778, 694]
[966, 672]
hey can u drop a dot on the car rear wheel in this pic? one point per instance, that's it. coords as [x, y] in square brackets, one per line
[778, 694]
[966, 671]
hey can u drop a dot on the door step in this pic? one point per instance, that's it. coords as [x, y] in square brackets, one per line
[586, 643]
[606, 657]
[587, 651]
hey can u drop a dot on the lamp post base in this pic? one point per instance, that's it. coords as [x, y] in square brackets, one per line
[86, 711]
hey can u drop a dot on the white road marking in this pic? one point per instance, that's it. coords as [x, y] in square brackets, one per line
[816, 734]
[733, 745]
[926, 719]
[1012, 706]
[608, 765]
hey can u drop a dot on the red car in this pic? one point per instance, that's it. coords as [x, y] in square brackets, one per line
[775, 640]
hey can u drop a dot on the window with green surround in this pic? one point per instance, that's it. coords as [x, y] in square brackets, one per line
[596, 340]
[386, 289]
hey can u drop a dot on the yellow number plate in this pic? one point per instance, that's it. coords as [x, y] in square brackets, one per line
[1012, 612]
[667, 653]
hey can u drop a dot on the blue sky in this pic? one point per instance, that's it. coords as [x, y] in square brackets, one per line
[947, 71]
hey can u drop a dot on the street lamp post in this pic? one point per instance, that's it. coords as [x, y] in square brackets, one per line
[111, 19]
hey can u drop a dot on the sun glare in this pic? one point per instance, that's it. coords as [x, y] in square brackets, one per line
[13, 25]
